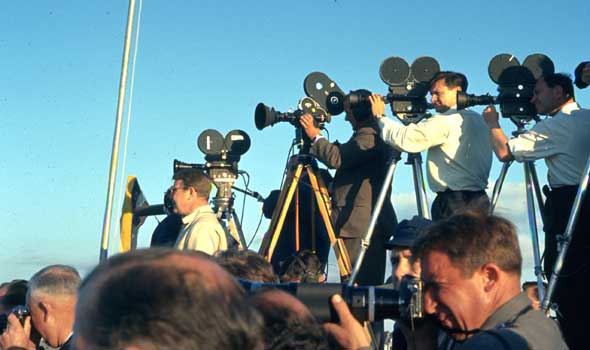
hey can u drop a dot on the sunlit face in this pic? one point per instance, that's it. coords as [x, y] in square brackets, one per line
[401, 265]
[181, 195]
[443, 98]
[456, 301]
[547, 100]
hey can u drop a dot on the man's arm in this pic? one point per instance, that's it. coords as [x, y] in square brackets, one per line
[498, 139]
[411, 138]
[358, 150]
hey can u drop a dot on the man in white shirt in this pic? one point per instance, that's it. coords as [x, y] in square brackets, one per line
[563, 141]
[459, 155]
[201, 229]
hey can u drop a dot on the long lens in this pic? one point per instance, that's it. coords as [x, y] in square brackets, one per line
[265, 116]
[366, 303]
[467, 100]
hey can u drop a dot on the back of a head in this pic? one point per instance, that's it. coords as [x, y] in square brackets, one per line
[55, 280]
[361, 108]
[471, 240]
[247, 264]
[288, 324]
[451, 80]
[164, 299]
[16, 294]
[195, 178]
[305, 266]
[562, 80]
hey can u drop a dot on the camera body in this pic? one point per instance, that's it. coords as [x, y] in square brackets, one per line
[516, 85]
[20, 311]
[366, 303]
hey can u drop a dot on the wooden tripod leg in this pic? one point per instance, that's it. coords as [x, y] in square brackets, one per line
[339, 248]
[234, 231]
[271, 237]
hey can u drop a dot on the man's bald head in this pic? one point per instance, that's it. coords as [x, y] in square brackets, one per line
[160, 299]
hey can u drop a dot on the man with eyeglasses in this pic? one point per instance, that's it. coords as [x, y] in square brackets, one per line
[201, 229]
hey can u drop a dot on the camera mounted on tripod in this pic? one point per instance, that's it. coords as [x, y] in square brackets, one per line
[222, 155]
[516, 86]
[408, 86]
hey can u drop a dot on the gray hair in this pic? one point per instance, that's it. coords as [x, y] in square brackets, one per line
[55, 280]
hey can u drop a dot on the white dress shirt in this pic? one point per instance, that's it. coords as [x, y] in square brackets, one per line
[562, 140]
[459, 151]
[201, 231]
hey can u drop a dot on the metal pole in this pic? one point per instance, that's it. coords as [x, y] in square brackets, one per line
[530, 188]
[106, 226]
[419, 188]
[567, 236]
[374, 216]
[498, 185]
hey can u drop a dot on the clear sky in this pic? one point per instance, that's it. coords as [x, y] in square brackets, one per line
[206, 64]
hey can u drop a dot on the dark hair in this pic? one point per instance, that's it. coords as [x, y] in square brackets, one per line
[147, 297]
[361, 110]
[471, 240]
[246, 264]
[305, 266]
[451, 80]
[285, 326]
[16, 294]
[562, 80]
[195, 178]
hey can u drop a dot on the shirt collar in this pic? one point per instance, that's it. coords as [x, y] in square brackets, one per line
[569, 108]
[192, 216]
[507, 311]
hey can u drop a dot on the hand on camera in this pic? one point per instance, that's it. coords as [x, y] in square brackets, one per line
[349, 333]
[377, 106]
[15, 335]
[491, 117]
[308, 125]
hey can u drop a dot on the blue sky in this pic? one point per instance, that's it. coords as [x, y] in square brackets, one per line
[206, 64]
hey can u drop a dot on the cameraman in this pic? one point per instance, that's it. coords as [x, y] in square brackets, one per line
[471, 266]
[361, 166]
[201, 229]
[563, 142]
[459, 156]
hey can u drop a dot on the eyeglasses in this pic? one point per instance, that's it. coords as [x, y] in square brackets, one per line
[174, 189]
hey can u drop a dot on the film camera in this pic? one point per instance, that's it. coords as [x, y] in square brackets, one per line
[516, 85]
[267, 116]
[222, 155]
[21, 312]
[366, 303]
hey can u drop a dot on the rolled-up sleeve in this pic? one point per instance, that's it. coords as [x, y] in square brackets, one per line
[534, 144]
[416, 137]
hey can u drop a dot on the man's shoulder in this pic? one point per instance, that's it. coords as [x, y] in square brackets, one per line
[494, 339]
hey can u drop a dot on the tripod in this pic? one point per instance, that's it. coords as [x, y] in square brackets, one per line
[223, 206]
[415, 160]
[533, 192]
[304, 161]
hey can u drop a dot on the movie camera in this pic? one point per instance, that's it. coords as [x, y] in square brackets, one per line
[267, 116]
[366, 303]
[516, 85]
[222, 155]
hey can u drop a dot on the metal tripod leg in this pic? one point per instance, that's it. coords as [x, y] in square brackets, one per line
[567, 236]
[531, 187]
[366, 240]
[498, 185]
[419, 188]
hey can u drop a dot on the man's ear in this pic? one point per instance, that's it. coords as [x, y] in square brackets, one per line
[45, 309]
[490, 273]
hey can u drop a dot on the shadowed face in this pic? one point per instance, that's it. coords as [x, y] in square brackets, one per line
[456, 301]
[443, 97]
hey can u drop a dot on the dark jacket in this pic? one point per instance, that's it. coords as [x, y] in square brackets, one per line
[361, 166]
